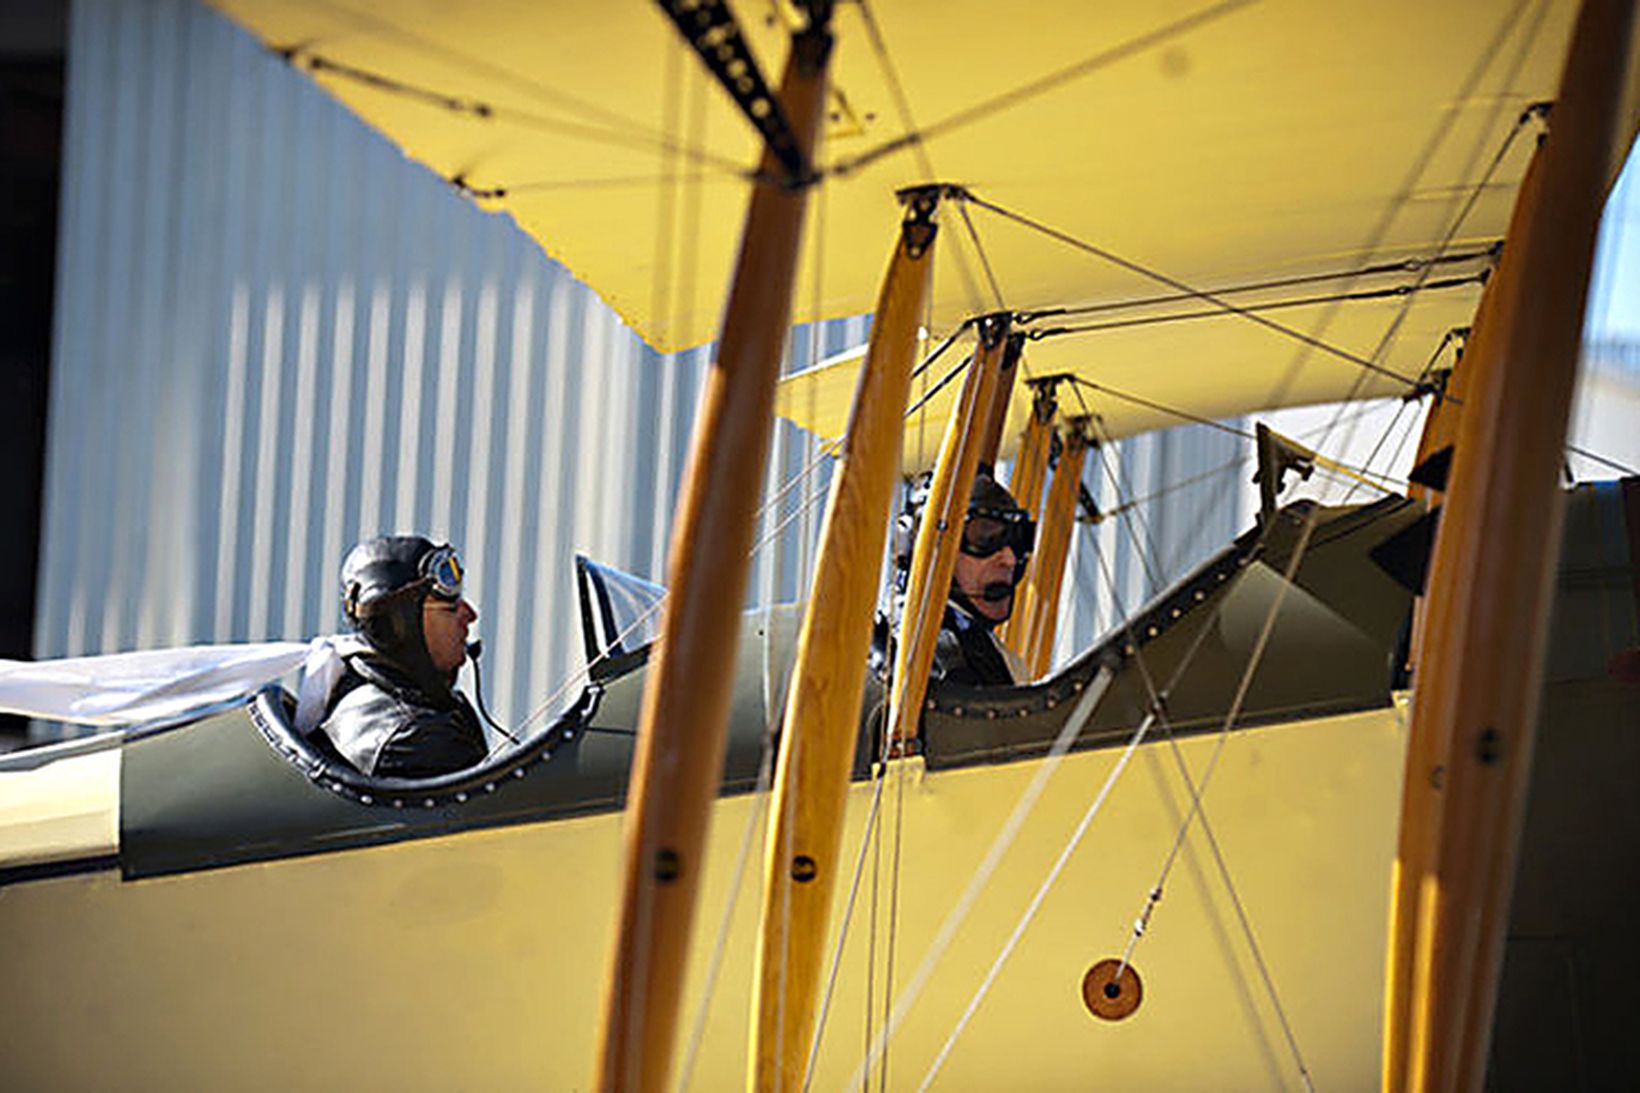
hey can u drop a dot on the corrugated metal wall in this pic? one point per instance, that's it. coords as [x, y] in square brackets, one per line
[274, 337]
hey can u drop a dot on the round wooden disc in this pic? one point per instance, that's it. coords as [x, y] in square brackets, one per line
[1110, 998]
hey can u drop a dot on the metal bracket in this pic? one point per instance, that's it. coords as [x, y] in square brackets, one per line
[918, 229]
[710, 28]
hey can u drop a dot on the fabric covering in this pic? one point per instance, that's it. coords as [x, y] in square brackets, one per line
[1212, 144]
[165, 684]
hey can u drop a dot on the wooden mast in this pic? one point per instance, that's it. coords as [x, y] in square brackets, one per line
[822, 717]
[1030, 468]
[1041, 603]
[682, 726]
[1475, 702]
[934, 558]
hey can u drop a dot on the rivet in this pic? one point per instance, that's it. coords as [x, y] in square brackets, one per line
[519, 773]
[1489, 746]
[804, 869]
[461, 798]
[990, 715]
[428, 803]
[667, 865]
[489, 787]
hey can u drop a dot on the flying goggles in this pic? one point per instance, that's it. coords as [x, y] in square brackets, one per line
[441, 568]
[984, 534]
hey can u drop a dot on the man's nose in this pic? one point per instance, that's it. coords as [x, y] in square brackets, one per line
[1007, 554]
[468, 613]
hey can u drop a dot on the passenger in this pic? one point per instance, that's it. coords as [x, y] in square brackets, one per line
[997, 537]
[396, 712]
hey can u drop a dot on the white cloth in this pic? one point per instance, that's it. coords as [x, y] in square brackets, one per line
[159, 684]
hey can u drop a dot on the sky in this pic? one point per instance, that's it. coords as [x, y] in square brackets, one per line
[1614, 296]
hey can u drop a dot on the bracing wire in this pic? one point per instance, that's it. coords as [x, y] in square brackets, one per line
[1242, 687]
[1174, 283]
[1035, 88]
[1158, 701]
[1405, 265]
[826, 451]
[480, 110]
[720, 946]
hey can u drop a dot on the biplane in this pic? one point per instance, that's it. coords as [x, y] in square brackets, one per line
[1262, 833]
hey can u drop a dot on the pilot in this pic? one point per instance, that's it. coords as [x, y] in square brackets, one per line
[997, 537]
[396, 712]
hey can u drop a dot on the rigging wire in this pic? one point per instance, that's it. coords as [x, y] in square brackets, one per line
[1200, 789]
[1336, 466]
[872, 813]
[369, 23]
[1158, 700]
[1273, 305]
[1039, 86]
[902, 103]
[984, 259]
[1208, 297]
[826, 450]
[318, 63]
[1054, 871]
[1000, 845]
[1407, 265]
[1223, 468]
[1612, 463]
[1471, 80]
[720, 946]
[1423, 376]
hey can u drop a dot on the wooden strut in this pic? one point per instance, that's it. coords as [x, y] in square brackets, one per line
[997, 420]
[684, 718]
[1041, 605]
[934, 557]
[1030, 468]
[822, 718]
[1475, 703]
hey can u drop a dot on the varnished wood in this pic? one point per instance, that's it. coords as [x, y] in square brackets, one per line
[1004, 397]
[1478, 681]
[934, 558]
[822, 718]
[1030, 468]
[1052, 548]
[681, 734]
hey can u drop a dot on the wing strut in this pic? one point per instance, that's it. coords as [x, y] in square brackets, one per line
[1479, 676]
[684, 718]
[822, 718]
[1030, 470]
[934, 558]
[1039, 604]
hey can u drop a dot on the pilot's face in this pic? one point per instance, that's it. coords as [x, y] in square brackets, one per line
[444, 623]
[987, 582]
